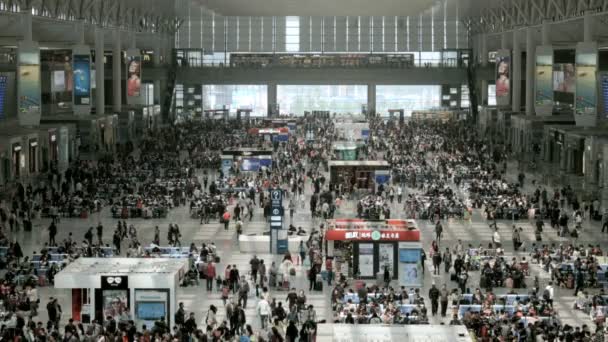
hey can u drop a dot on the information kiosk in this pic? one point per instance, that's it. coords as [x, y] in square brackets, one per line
[138, 289]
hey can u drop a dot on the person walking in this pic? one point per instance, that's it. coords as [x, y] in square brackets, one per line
[100, 234]
[496, 238]
[226, 219]
[516, 238]
[243, 293]
[444, 296]
[52, 234]
[579, 280]
[548, 294]
[438, 231]
[447, 260]
[436, 263]
[434, 296]
[255, 265]
[263, 309]
[387, 277]
[210, 275]
[292, 209]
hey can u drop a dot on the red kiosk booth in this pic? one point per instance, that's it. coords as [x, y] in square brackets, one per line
[367, 247]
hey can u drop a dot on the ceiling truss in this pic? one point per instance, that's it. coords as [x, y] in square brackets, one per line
[136, 16]
[511, 14]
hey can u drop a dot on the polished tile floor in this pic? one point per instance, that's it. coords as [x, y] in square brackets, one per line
[197, 300]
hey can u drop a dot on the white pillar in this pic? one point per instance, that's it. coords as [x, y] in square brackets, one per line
[484, 50]
[516, 86]
[26, 24]
[133, 40]
[546, 33]
[157, 83]
[117, 72]
[530, 75]
[588, 27]
[80, 27]
[504, 45]
[272, 98]
[371, 98]
[100, 101]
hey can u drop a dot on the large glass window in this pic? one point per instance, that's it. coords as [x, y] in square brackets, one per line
[236, 96]
[407, 97]
[339, 99]
[292, 34]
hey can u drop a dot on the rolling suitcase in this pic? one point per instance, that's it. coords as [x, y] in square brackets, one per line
[538, 237]
[318, 286]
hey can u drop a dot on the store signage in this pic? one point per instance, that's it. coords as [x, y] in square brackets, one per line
[114, 282]
[372, 235]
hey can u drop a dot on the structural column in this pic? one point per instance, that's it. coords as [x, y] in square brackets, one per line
[100, 92]
[157, 57]
[588, 27]
[272, 99]
[504, 45]
[117, 72]
[484, 63]
[545, 33]
[530, 76]
[28, 98]
[371, 99]
[26, 20]
[516, 84]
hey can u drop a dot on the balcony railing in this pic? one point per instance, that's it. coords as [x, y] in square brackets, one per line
[195, 58]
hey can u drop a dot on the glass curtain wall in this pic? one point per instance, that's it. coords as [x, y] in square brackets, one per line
[407, 97]
[236, 96]
[339, 99]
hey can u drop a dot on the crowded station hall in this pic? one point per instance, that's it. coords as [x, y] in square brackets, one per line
[342, 170]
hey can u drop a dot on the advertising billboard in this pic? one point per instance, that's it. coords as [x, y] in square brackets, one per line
[58, 84]
[134, 76]
[503, 77]
[82, 79]
[29, 89]
[544, 79]
[564, 77]
[586, 68]
[250, 164]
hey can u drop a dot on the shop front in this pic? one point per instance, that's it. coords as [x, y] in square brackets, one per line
[365, 249]
[123, 289]
[359, 175]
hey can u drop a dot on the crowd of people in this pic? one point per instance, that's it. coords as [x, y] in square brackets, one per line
[440, 171]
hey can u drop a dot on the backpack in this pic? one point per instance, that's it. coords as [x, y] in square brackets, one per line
[546, 294]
